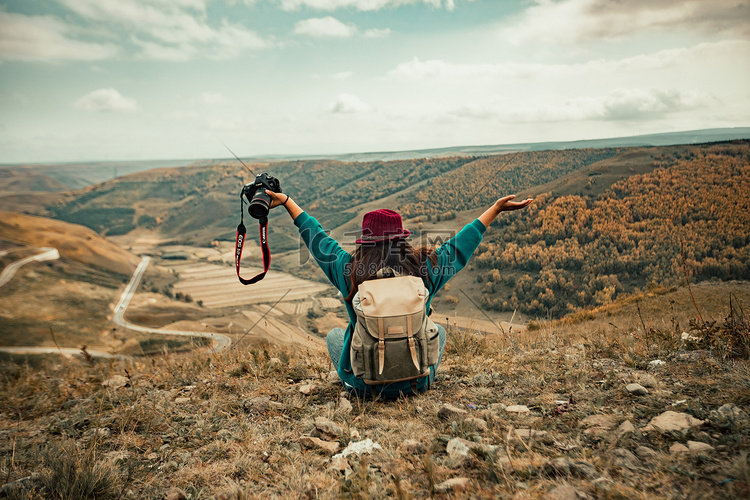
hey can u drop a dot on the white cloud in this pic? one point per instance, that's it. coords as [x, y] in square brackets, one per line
[45, 38]
[347, 103]
[688, 56]
[363, 5]
[107, 100]
[321, 27]
[572, 21]
[378, 33]
[344, 75]
[616, 105]
[168, 30]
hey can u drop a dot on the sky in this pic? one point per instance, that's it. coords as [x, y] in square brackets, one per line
[107, 80]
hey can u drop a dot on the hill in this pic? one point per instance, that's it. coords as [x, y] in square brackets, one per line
[590, 410]
[564, 233]
[66, 300]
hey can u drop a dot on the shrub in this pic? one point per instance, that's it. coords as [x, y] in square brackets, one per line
[73, 473]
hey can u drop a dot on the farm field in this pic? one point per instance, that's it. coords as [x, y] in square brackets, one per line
[217, 286]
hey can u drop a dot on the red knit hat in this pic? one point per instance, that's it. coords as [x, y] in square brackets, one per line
[382, 225]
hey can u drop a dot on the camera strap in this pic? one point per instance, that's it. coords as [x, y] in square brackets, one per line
[241, 232]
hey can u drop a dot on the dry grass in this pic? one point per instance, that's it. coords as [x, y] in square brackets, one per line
[181, 421]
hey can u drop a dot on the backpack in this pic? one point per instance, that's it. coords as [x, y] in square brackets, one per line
[393, 340]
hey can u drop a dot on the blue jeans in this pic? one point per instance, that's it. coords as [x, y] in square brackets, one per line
[335, 344]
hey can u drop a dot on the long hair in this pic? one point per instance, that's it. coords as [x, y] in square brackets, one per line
[398, 254]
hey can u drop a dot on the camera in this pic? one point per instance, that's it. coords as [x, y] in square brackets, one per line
[255, 192]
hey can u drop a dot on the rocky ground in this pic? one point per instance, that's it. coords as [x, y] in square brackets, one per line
[550, 415]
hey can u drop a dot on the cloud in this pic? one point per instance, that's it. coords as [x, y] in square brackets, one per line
[363, 5]
[378, 33]
[107, 100]
[347, 103]
[322, 27]
[433, 69]
[617, 105]
[45, 38]
[168, 30]
[572, 21]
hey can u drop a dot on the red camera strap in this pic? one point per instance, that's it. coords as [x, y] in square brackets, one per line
[263, 223]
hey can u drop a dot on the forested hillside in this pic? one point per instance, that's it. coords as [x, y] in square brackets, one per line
[603, 237]
[332, 189]
[476, 184]
[569, 252]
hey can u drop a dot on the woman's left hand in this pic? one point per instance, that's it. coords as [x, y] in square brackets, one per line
[506, 203]
[276, 198]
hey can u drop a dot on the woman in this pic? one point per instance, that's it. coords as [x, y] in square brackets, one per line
[383, 244]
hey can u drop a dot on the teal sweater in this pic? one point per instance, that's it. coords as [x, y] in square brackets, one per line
[452, 256]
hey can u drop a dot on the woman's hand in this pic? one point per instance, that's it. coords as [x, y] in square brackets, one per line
[502, 205]
[506, 204]
[277, 198]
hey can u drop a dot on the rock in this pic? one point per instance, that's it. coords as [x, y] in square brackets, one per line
[174, 494]
[411, 447]
[518, 409]
[645, 452]
[333, 377]
[478, 423]
[327, 429]
[308, 389]
[627, 428]
[450, 412]
[453, 484]
[531, 435]
[672, 421]
[568, 467]
[568, 492]
[728, 414]
[313, 443]
[598, 425]
[678, 448]
[497, 407]
[258, 405]
[636, 389]
[340, 464]
[647, 380]
[625, 458]
[358, 447]
[656, 363]
[459, 448]
[345, 406]
[116, 381]
[699, 447]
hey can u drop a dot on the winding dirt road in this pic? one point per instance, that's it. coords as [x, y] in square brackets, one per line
[220, 341]
[10, 269]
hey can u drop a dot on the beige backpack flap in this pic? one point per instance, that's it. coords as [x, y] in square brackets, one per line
[392, 307]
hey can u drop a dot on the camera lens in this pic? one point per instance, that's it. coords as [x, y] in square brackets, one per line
[259, 205]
